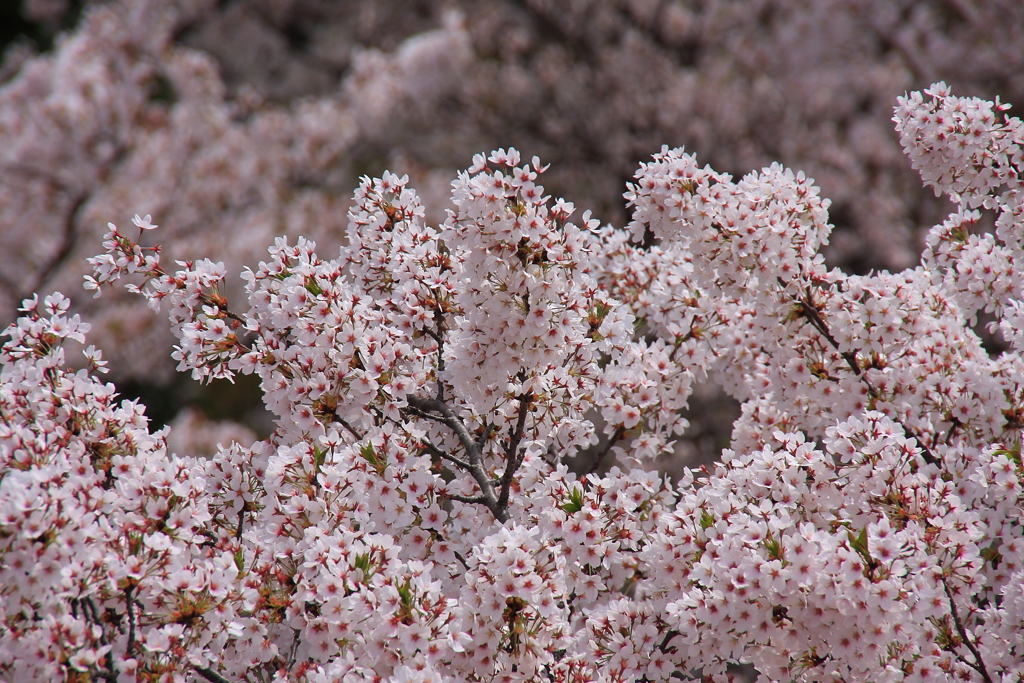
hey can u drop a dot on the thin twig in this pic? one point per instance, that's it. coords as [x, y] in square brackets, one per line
[429, 406]
[512, 458]
[106, 674]
[352, 430]
[619, 432]
[439, 338]
[214, 303]
[431, 448]
[672, 633]
[89, 605]
[814, 317]
[461, 560]
[488, 430]
[91, 613]
[979, 664]
[427, 415]
[296, 634]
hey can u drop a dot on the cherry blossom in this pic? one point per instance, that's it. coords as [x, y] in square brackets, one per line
[413, 516]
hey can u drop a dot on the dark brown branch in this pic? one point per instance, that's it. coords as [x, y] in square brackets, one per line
[465, 499]
[67, 244]
[488, 430]
[106, 674]
[210, 674]
[954, 425]
[431, 448]
[427, 415]
[296, 636]
[433, 335]
[444, 414]
[91, 614]
[351, 429]
[130, 609]
[814, 317]
[214, 303]
[512, 457]
[979, 664]
[89, 606]
[672, 633]
[619, 432]
[439, 338]
[461, 560]
[818, 323]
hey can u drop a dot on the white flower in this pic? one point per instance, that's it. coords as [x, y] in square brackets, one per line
[143, 223]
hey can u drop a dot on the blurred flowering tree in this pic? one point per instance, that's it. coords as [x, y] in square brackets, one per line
[235, 122]
[411, 519]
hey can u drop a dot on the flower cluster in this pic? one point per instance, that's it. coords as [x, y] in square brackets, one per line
[110, 550]
[413, 518]
[233, 122]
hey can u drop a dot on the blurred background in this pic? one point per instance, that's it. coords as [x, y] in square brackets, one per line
[233, 121]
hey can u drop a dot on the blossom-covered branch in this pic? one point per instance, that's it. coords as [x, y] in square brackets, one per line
[411, 519]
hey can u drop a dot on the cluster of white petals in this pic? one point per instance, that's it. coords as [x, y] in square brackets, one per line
[411, 518]
[235, 122]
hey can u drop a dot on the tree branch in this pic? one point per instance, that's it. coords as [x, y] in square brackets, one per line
[427, 415]
[818, 323]
[427, 406]
[465, 499]
[241, 523]
[488, 430]
[442, 454]
[69, 237]
[439, 338]
[619, 431]
[474, 451]
[210, 674]
[512, 458]
[130, 609]
[351, 429]
[296, 635]
[979, 664]
[669, 635]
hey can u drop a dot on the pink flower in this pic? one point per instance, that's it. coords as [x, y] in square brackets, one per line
[143, 223]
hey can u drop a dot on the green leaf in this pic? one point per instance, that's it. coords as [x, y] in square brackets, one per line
[706, 519]
[575, 503]
[773, 546]
[370, 455]
[405, 593]
[312, 287]
[1012, 453]
[860, 544]
[362, 562]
